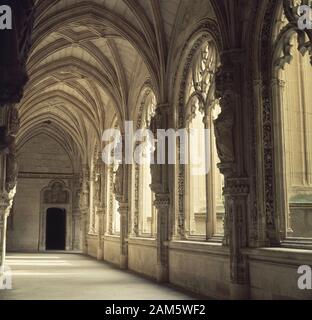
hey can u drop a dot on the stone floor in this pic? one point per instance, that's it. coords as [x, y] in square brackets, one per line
[66, 276]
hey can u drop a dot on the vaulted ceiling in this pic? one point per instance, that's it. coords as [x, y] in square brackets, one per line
[86, 59]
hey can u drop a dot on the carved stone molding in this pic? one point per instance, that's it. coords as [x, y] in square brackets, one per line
[236, 187]
[6, 201]
[162, 201]
[272, 220]
[57, 194]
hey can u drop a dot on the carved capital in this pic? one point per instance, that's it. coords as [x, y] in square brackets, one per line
[6, 201]
[123, 208]
[236, 187]
[162, 201]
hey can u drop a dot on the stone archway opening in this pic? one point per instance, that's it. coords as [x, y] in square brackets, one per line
[56, 229]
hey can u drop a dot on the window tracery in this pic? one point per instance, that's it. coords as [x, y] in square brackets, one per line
[204, 183]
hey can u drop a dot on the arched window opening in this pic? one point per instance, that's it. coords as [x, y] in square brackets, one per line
[113, 226]
[295, 116]
[145, 213]
[115, 205]
[204, 182]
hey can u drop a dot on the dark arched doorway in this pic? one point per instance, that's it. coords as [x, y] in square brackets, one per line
[56, 229]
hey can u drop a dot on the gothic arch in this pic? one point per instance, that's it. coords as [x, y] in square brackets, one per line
[56, 194]
[274, 53]
[146, 104]
[205, 31]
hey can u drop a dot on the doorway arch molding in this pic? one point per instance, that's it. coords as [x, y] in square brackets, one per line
[57, 195]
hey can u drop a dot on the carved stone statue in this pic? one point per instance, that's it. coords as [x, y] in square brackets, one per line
[11, 171]
[84, 195]
[5, 140]
[224, 131]
[118, 184]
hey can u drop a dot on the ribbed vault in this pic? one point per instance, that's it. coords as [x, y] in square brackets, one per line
[86, 59]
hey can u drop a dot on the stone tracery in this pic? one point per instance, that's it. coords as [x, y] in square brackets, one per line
[87, 66]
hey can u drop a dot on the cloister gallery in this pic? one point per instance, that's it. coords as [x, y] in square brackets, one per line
[237, 69]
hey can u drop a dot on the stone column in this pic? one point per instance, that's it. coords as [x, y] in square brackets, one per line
[76, 214]
[123, 211]
[100, 211]
[84, 208]
[84, 229]
[9, 125]
[229, 132]
[160, 188]
[162, 202]
[210, 176]
[236, 191]
[99, 200]
[6, 201]
[13, 66]
[121, 198]
[76, 245]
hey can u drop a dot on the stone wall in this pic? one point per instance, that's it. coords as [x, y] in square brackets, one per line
[41, 160]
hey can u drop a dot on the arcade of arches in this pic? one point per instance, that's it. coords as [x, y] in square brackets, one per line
[71, 69]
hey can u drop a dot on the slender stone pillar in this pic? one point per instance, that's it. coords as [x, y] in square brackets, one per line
[121, 195]
[162, 202]
[84, 230]
[9, 125]
[123, 211]
[159, 185]
[100, 211]
[76, 230]
[84, 208]
[6, 201]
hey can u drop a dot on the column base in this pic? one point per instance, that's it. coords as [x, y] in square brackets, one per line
[162, 275]
[239, 291]
[123, 262]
